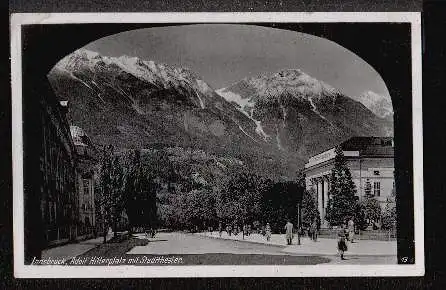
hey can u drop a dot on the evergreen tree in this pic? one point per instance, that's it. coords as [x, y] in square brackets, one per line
[343, 203]
[389, 212]
[309, 209]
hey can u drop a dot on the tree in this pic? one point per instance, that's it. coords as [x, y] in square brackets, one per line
[196, 208]
[280, 202]
[310, 211]
[343, 203]
[140, 193]
[117, 192]
[110, 200]
[372, 208]
[309, 208]
[238, 197]
[389, 213]
[103, 196]
[370, 205]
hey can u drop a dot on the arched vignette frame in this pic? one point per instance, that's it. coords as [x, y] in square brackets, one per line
[386, 45]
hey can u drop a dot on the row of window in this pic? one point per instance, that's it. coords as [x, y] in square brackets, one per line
[377, 188]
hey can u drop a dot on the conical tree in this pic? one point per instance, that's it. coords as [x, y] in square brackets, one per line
[310, 211]
[309, 208]
[343, 203]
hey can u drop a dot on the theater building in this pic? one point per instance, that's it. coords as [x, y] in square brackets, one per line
[371, 163]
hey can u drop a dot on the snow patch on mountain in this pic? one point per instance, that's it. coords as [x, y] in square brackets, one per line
[235, 98]
[279, 145]
[379, 105]
[241, 129]
[200, 100]
[314, 109]
[243, 105]
[293, 81]
[161, 75]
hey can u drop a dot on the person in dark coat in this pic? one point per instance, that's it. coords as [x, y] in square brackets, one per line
[268, 232]
[220, 229]
[342, 245]
[289, 232]
[229, 229]
[313, 230]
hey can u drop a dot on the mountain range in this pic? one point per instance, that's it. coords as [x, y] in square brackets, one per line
[270, 123]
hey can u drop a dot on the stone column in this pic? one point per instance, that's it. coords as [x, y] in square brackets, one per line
[319, 199]
[326, 184]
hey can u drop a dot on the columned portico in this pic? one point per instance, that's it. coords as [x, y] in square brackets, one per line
[326, 184]
[369, 159]
[321, 186]
[320, 197]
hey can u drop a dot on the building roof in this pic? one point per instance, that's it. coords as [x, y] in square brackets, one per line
[369, 146]
[357, 147]
[357, 143]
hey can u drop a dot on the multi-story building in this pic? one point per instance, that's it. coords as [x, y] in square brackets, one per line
[371, 163]
[57, 173]
[86, 157]
[58, 207]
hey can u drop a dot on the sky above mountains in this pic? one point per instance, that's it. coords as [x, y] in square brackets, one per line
[225, 53]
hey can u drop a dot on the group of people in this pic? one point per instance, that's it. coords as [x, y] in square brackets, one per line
[346, 233]
[235, 229]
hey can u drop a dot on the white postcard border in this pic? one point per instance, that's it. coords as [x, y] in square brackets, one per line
[27, 271]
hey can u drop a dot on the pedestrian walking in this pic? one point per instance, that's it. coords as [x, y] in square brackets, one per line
[289, 232]
[313, 230]
[229, 230]
[342, 245]
[268, 232]
[220, 229]
[351, 230]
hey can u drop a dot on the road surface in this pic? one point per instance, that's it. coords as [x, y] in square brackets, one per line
[196, 249]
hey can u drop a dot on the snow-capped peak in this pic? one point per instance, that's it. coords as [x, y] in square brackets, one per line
[376, 103]
[162, 75]
[293, 81]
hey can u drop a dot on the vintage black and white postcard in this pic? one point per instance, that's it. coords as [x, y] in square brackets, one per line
[217, 144]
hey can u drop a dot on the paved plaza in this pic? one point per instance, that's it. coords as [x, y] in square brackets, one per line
[210, 248]
[322, 246]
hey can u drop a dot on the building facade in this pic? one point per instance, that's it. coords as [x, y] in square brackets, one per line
[57, 173]
[371, 163]
[86, 157]
[54, 164]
